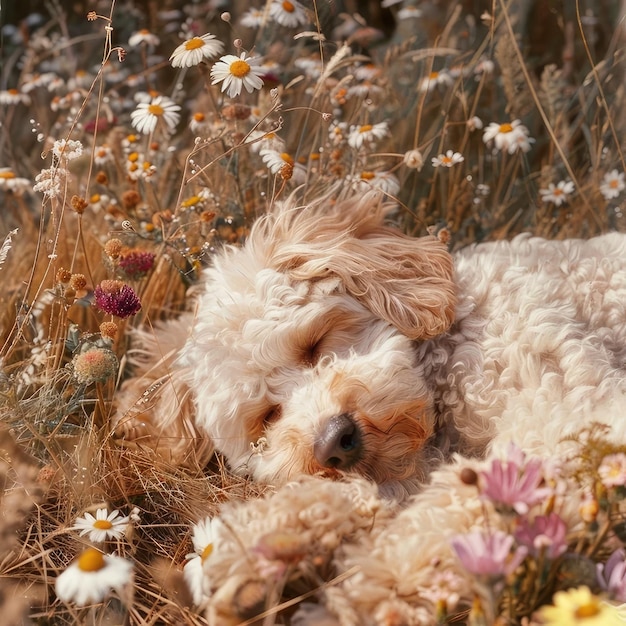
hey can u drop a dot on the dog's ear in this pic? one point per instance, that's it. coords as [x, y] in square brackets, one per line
[404, 280]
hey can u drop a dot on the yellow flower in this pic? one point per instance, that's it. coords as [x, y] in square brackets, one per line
[578, 606]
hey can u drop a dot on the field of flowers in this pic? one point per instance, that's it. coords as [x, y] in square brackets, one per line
[136, 138]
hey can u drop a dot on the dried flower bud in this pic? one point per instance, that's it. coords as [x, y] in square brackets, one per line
[414, 160]
[63, 276]
[286, 171]
[130, 199]
[113, 248]
[236, 112]
[108, 330]
[137, 263]
[78, 282]
[92, 16]
[78, 204]
[102, 178]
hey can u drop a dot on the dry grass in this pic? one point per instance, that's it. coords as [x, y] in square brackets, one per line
[58, 456]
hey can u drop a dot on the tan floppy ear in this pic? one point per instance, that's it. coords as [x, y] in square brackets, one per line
[404, 280]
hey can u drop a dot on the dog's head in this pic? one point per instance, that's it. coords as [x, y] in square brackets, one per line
[302, 357]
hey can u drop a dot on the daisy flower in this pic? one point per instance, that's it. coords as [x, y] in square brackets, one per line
[434, 79]
[13, 183]
[288, 13]
[612, 470]
[14, 96]
[578, 606]
[383, 181]
[195, 50]
[367, 134]
[203, 539]
[253, 18]
[261, 140]
[509, 136]
[143, 36]
[147, 115]
[92, 576]
[103, 154]
[448, 159]
[103, 526]
[612, 184]
[557, 194]
[236, 73]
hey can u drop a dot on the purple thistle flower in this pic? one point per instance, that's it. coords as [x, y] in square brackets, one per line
[488, 554]
[514, 483]
[545, 532]
[116, 298]
[612, 575]
[136, 263]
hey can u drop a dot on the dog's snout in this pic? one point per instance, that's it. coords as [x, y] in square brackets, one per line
[339, 445]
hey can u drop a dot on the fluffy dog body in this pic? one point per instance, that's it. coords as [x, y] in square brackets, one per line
[333, 344]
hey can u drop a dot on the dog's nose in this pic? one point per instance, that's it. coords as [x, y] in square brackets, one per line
[339, 445]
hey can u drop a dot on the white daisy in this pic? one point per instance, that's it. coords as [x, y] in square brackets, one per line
[103, 526]
[367, 134]
[261, 140]
[434, 79]
[203, 539]
[253, 18]
[509, 136]
[103, 154]
[92, 576]
[195, 50]
[14, 96]
[557, 194]
[475, 123]
[143, 36]
[199, 124]
[384, 181]
[276, 160]
[448, 159]
[288, 13]
[146, 116]
[10, 182]
[337, 132]
[612, 184]
[68, 149]
[236, 73]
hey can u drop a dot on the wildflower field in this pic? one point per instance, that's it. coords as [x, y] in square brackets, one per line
[137, 138]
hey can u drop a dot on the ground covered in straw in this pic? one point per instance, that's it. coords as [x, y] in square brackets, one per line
[133, 146]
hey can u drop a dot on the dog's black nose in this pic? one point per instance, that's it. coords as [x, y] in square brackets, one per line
[339, 445]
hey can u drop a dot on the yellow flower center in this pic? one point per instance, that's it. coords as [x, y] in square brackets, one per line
[287, 6]
[102, 524]
[506, 128]
[446, 159]
[191, 201]
[206, 553]
[613, 184]
[365, 128]
[146, 166]
[194, 44]
[13, 92]
[367, 175]
[144, 31]
[133, 156]
[433, 75]
[239, 68]
[8, 174]
[558, 192]
[199, 117]
[95, 198]
[286, 158]
[155, 109]
[131, 138]
[591, 609]
[91, 560]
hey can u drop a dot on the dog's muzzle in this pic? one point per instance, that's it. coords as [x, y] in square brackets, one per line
[340, 444]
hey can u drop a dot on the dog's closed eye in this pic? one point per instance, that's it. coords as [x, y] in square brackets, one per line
[272, 415]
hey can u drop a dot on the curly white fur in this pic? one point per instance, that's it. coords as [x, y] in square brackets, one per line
[327, 312]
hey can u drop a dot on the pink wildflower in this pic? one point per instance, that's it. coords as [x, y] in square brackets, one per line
[116, 298]
[545, 533]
